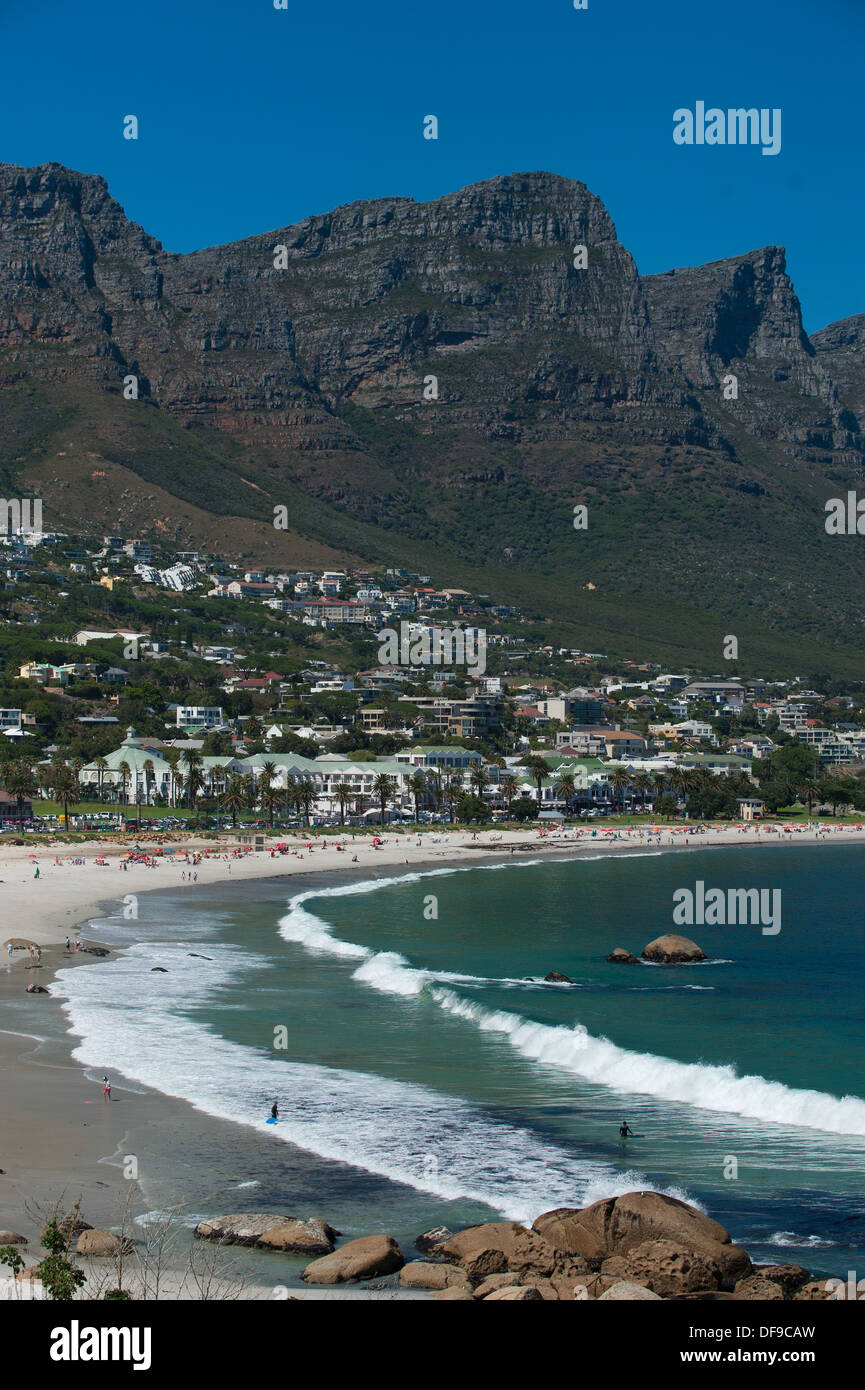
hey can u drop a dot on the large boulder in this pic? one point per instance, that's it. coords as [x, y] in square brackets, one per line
[454, 1295]
[673, 950]
[299, 1237]
[428, 1274]
[499, 1246]
[619, 956]
[616, 1225]
[665, 1268]
[624, 1292]
[244, 1228]
[12, 1238]
[357, 1259]
[95, 1243]
[555, 977]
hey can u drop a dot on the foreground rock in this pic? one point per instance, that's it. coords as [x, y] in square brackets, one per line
[624, 1292]
[428, 1274]
[12, 1238]
[618, 1225]
[620, 956]
[507, 1248]
[101, 1244]
[358, 1259]
[515, 1293]
[673, 950]
[790, 1277]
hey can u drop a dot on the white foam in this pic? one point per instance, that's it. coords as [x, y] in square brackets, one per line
[137, 1023]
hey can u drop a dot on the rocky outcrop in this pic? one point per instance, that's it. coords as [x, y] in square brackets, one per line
[666, 1268]
[673, 950]
[619, 956]
[515, 1293]
[12, 1238]
[760, 1290]
[789, 1277]
[616, 1226]
[556, 978]
[357, 1259]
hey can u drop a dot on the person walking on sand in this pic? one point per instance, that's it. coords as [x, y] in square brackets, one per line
[36, 875]
[106, 1088]
[67, 943]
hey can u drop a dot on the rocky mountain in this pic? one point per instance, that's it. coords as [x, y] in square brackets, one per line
[440, 384]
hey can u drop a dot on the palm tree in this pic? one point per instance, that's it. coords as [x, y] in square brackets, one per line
[479, 779]
[538, 770]
[509, 790]
[125, 773]
[434, 778]
[233, 798]
[343, 793]
[101, 765]
[305, 796]
[620, 781]
[643, 784]
[417, 785]
[383, 790]
[453, 792]
[271, 797]
[172, 757]
[66, 790]
[678, 780]
[568, 788]
[19, 782]
[194, 777]
[809, 790]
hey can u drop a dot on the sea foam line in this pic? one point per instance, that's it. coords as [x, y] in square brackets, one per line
[705, 1086]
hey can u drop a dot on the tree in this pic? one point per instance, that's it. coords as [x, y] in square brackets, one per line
[538, 769]
[305, 796]
[60, 1278]
[619, 782]
[125, 773]
[65, 789]
[509, 790]
[568, 789]
[19, 782]
[233, 798]
[343, 793]
[643, 784]
[417, 785]
[101, 765]
[383, 790]
[194, 776]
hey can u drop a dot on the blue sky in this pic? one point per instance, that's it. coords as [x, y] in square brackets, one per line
[252, 118]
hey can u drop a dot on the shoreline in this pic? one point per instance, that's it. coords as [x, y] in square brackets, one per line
[52, 1150]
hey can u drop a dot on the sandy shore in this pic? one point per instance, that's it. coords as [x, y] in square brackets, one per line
[65, 1143]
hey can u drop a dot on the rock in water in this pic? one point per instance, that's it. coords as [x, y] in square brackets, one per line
[622, 957]
[673, 950]
[556, 978]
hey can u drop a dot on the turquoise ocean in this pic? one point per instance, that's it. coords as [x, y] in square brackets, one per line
[427, 1075]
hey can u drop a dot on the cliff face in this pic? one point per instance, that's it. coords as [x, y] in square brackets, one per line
[553, 382]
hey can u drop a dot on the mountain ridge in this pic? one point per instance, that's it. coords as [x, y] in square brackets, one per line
[304, 386]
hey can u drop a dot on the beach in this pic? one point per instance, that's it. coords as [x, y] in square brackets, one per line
[66, 1142]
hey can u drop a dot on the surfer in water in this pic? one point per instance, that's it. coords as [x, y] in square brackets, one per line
[625, 1130]
[274, 1111]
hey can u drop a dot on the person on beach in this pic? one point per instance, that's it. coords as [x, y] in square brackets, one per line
[625, 1130]
[67, 943]
[106, 1088]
